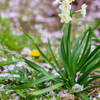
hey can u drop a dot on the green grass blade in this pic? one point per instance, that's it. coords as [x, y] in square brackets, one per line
[34, 82]
[4, 63]
[54, 59]
[10, 52]
[83, 96]
[20, 93]
[27, 34]
[53, 87]
[3, 95]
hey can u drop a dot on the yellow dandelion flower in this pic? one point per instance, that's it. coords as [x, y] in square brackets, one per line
[35, 53]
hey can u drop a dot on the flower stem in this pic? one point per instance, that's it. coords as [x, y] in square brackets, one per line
[79, 10]
[60, 3]
[69, 34]
[72, 81]
[32, 75]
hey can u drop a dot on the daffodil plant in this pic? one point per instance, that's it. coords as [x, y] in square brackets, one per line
[77, 62]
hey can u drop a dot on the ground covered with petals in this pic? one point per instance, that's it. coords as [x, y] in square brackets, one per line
[40, 19]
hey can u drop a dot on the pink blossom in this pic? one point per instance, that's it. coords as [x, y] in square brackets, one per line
[38, 26]
[25, 51]
[97, 32]
[78, 74]
[11, 67]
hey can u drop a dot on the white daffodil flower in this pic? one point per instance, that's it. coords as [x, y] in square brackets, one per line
[56, 2]
[69, 1]
[65, 17]
[65, 7]
[77, 86]
[83, 11]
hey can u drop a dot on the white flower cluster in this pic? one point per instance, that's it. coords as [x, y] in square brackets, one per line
[77, 86]
[65, 10]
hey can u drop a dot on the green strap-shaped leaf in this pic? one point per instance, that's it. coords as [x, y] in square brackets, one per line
[54, 59]
[38, 68]
[91, 80]
[43, 56]
[96, 40]
[83, 96]
[88, 62]
[89, 88]
[94, 52]
[64, 26]
[47, 60]
[83, 60]
[76, 58]
[63, 58]
[76, 45]
[34, 82]
[96, 26]
[83, 38]
[93, 62]
[88, 68]
[87, 42]
[84, 76]
[20, 93]
[96, 37]
[53, 87]
[65, 39]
